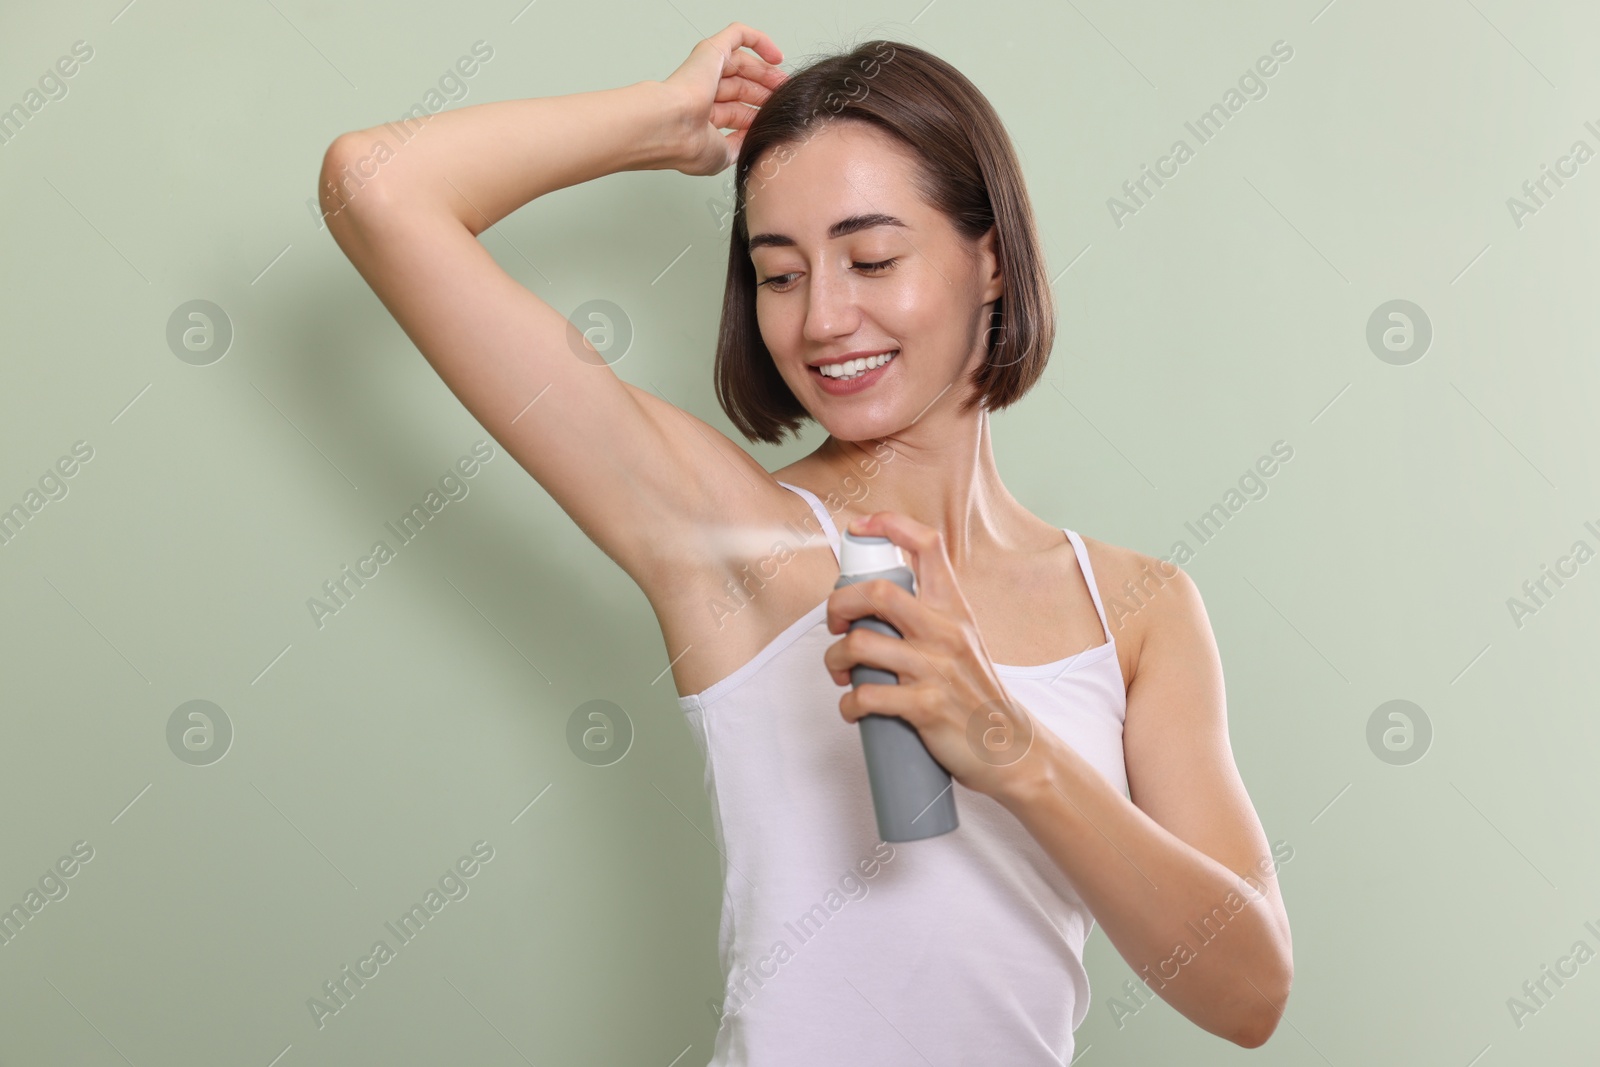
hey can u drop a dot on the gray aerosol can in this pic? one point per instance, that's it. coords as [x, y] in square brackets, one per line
[911, 791]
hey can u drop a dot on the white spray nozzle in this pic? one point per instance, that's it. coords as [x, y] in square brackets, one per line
[862, 554]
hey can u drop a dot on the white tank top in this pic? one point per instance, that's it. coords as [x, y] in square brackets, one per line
[839, 948]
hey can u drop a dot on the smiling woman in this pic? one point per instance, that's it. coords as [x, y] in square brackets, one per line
[886, 281]
[884, 117]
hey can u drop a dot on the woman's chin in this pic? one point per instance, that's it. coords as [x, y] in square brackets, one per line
[862, 424]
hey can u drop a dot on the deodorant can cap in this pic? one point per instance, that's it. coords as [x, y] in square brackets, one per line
[861, 554]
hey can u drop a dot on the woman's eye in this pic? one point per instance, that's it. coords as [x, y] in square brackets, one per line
[777, 285]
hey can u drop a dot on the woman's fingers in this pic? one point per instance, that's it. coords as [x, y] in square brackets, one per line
[741, 79]
[732, 116]
[872, 649]
[735, 90]
[759, 70]
[741, 89]
[730, 81]
[936, 581]
[723, 50]
[735, 63]
[737, 35]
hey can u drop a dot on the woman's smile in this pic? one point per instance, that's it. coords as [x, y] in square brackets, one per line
[858, 374]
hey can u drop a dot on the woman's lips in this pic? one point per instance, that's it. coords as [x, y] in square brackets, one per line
[848, 386]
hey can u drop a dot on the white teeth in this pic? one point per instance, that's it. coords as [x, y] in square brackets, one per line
[857, 366]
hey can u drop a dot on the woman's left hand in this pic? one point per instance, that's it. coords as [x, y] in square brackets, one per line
[948, 688]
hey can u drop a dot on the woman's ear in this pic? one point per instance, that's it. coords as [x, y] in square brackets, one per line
[989, 266]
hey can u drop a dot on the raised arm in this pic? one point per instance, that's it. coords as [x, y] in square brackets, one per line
[638, 475]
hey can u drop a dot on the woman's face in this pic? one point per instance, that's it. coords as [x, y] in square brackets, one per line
[849, 259]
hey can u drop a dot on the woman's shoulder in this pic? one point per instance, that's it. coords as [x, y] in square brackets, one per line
[1138, 591]
[1126, 563]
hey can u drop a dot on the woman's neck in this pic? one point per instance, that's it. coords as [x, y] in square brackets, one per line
[946, 479]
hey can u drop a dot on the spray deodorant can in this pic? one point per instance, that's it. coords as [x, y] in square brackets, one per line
[911, 793]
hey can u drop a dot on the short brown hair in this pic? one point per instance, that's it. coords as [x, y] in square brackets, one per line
[969, 172]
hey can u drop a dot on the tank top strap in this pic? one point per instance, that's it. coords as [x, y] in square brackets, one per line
[1082, 552]
[821, 511]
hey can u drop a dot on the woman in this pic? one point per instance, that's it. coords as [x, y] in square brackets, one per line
[884, 279]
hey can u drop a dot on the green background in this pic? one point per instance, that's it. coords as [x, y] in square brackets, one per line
[369, 755]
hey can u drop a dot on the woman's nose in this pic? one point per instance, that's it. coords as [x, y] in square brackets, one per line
[830, 306]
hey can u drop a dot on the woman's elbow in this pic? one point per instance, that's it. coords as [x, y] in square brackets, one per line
[348, 177]
[1273, 1002]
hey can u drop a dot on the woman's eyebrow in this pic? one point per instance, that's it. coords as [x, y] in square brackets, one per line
[839, 229]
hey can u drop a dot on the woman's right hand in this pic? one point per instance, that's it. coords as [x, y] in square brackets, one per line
[713, 86]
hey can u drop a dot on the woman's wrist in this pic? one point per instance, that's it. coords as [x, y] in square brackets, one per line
[670, 142]
[1033, 779]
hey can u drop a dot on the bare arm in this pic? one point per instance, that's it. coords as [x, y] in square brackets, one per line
[639, 476]
[1179, 873]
